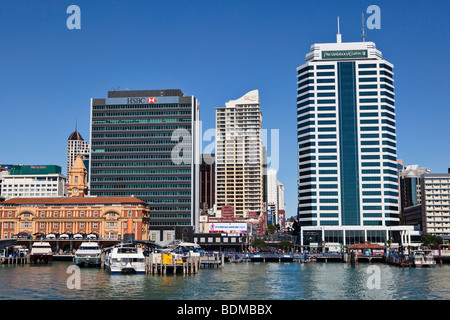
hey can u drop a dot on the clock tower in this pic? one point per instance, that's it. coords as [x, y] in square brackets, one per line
[78, 179]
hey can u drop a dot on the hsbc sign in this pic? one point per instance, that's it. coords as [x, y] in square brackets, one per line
[141, 100]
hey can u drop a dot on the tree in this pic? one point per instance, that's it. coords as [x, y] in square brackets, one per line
[259, 243]
[430, 240]
[271, 228]
[285, 244]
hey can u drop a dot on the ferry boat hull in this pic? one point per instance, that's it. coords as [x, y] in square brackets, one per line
[127, 269]
[87, 261]
[40, 258]
[424, 265]
[41, 253]
[88, 255]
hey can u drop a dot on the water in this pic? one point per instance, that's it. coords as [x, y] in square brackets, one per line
[240, 281]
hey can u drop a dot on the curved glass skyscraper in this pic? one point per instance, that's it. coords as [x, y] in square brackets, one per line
[346, 130]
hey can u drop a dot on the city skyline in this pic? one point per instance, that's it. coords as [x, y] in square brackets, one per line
[51, 73]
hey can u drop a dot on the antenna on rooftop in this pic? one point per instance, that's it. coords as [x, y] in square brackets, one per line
[338, 36]
[363, 34]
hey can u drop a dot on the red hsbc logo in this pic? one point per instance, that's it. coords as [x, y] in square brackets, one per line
[141, 100]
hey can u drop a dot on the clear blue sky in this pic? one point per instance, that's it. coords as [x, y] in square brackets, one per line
[216, 51]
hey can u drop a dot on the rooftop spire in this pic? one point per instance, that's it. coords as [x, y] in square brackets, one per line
[338, 36]
[363, 34]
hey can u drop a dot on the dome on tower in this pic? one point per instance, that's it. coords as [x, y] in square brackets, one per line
[75, 136]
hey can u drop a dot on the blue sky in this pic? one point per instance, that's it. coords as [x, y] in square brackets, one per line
[216, 51]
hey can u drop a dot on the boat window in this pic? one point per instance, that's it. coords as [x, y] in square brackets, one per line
[127, 250]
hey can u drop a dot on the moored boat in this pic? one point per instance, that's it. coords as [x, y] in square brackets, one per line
[41, 253]
[422, 259]
[186, 249]
[125, 258]
[88, 254]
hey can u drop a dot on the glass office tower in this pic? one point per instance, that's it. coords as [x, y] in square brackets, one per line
[146, 144]
[347, 170]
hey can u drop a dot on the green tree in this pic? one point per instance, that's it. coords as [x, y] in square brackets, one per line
[285, 244]
[271, 228]
[259, 243]
[431, 241]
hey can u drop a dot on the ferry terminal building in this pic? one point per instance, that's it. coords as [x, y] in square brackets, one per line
[106, 217]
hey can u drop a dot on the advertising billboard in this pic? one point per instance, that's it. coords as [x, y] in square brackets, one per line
[228, 228]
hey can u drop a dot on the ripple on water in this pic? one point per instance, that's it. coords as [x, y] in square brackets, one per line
[255, 281]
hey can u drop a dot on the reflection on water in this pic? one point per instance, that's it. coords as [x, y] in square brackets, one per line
[256, 281]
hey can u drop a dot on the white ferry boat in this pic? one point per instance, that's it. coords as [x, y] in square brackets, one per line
[125, 258]
[422, 258]
[88, 254]
[41, 252]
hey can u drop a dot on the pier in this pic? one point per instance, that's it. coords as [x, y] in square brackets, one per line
[307, 257]
[15, 260]
[169, 264]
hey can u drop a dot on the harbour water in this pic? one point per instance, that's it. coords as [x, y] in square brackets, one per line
[236, 281]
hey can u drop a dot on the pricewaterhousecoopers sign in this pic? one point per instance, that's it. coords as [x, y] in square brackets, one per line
[344, 54]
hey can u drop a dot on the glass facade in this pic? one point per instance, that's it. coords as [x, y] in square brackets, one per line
[346, 133]
[146, 150]
[348, 144]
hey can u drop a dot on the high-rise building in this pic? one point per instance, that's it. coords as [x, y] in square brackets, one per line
[436, 204]
[347, 152]
[145, 143]
[207, 182]
[272, 191]
[275, 195]
[410, 189]
[281, 204]
[239, 162]
[76, 146]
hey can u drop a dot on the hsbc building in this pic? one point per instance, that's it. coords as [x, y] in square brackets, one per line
[146, 144]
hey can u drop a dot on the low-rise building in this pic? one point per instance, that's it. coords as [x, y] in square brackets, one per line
[33, 181]
[107, 217]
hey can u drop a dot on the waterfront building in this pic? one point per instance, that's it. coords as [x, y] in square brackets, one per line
[435, 204]
[207, 183]
[239, 155]
[272, 192]
[410, 190]
[3, 172]
[145, 143]
[275, 195]
[412, 216]
[33, 181]
[105, 217]
[347, 155]
[76, 146]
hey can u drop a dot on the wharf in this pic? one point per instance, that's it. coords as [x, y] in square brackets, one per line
[354, 258]
[15, 260]
[161, 264]
[293, 257]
